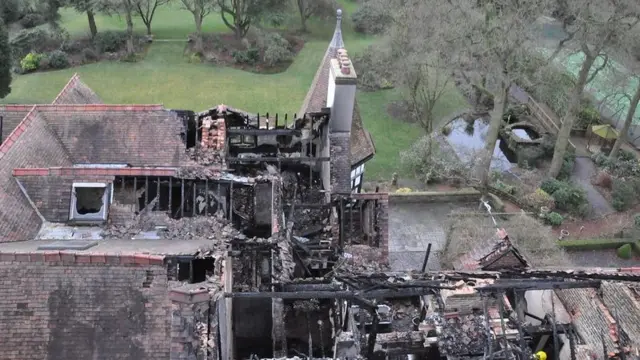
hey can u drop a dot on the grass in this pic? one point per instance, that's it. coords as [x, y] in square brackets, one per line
[166, 77]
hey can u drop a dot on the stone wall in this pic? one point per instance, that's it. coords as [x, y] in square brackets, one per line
[68, 306]
[458, 196]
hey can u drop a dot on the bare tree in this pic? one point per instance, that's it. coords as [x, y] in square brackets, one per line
[90, 7]
[199, 9]
[622, 138]
[239, 15]
[146, 9]
[481, 43]
[421, 67]
[308, 8]
[491, 37]
[597, 26]
[126, 8]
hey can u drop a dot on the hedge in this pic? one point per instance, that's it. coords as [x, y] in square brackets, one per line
[598, 244]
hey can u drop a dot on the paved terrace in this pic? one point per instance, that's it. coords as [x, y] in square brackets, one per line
[417, 219]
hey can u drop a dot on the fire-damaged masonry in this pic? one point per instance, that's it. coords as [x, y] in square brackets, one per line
[137, 232]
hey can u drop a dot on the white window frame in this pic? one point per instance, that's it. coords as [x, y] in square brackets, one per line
[107, 199]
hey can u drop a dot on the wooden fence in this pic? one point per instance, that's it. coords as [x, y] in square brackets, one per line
[547, 120]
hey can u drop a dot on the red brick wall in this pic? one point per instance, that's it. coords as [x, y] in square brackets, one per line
[83, 307]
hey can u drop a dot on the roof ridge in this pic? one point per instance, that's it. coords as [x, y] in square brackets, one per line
[18, 131]
[101, 107]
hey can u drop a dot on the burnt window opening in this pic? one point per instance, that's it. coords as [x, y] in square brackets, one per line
[190, 133]
[195, 270]
[177, 197]
[200, 269]
[89, 201]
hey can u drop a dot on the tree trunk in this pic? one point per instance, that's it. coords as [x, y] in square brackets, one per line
[148, 28]
[303, 19]
[130, 49]
[567, 122]
[199, 47]
[92, 23]
[500, 105]
[627, 123]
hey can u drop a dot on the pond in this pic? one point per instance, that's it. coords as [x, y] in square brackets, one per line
[468, 138]
[525, 133]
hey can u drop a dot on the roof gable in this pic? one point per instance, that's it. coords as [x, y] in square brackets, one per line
[12, 115]
[24, 148]
[362, 146]
[495, 253]
[76, 92]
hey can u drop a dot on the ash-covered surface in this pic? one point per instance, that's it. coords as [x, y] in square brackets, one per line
[199, 227]
[462, 335]
[404, 311]
[206, 156]
[362, 259]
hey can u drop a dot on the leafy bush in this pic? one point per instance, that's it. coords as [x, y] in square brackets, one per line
[567, 165]
[538, 199]
[548, 144]
[604, 179]
[31, 62]
[249, 56]
[623, 194]
[626, 155]
[72, 47]
[370, 19]
[625, 251]
[626, 165]
[58, 59]
[569, 197]
[587, 116]
[551, 185]
[110, 41]
[90, 55]
[12, 10]
[555, 219]
[505, 187]
[636, 220]
[32, 20]
[30, 40]
[528, 156]
[277, 49]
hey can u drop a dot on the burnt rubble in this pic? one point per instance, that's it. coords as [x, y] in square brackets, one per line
[460, 335]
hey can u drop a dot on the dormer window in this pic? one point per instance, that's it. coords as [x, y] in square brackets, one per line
[90, 202]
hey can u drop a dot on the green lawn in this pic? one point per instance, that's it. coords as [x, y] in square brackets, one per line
[164, 76]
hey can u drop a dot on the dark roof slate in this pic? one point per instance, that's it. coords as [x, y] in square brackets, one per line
[76, 92]
[140, 135]
[25, 148]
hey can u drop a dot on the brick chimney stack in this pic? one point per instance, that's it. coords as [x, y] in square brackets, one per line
[341, 98]
[213, 131]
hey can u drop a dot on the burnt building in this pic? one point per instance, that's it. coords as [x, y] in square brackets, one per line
[123, 226]
[140, 232]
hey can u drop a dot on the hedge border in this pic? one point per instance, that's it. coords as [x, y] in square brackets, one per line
[599, 244]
